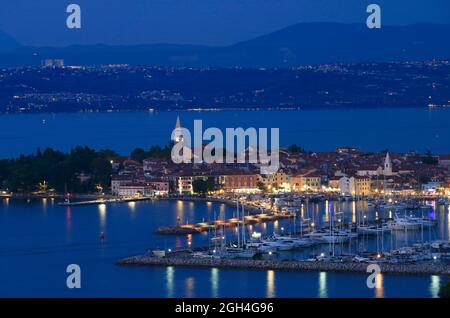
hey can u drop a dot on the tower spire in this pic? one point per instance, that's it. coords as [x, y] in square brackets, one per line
[179, 137]
[387, 165]
[178, 124]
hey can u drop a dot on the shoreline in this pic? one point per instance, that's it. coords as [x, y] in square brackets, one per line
[288, 266]
[223, 109]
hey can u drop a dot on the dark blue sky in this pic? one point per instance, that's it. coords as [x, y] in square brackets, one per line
[211, 22]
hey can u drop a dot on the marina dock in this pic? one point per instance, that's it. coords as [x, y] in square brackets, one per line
[103, 201]
[293, 266]
[218, 224]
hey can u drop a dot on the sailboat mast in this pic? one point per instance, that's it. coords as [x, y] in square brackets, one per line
[243, 226]
[237, 224]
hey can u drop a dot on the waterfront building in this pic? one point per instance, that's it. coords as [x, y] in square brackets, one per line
[370, 171]
[278, 180]
[356, 186]
[138, 189]
[444, 161]
[431, 187]
[119, 180]
[237, 180]
[156, 187]
[333, 183]
[184, 184]
[306, 181]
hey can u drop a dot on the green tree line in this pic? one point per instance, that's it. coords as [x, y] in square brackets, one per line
[57, 170]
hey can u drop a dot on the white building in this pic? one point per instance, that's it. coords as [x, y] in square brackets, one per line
[358, 185]
[130, 190]
[431, 187]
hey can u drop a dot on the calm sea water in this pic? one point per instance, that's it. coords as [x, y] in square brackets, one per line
[38, 239]
[401, 129]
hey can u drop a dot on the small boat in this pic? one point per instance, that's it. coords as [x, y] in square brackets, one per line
[261, 247]
[280, 244]
[238, 252]
[360, 259]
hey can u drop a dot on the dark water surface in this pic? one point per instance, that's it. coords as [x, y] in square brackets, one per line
[38, 239]
[400, 129]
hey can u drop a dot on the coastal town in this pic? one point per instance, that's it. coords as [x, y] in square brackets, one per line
[346, 171]
[338, 208]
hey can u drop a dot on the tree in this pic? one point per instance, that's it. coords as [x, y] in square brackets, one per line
[138, 154]
[261, 186]
[429, 158]
[295, 149]
[101, 169]
[200, 186]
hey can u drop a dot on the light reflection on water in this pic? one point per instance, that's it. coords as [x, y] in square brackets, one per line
[170, 281]
[132, 206]
[102, 215]
[190, 287]
[131, 235]
[323, 290]
[215, 282]
[379, 286]
[448, 222]
[435, 286]
[270, 284]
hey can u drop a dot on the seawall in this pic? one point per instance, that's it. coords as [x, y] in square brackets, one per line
[295, 266]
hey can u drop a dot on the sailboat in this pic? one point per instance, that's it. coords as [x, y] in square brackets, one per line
[241, 250]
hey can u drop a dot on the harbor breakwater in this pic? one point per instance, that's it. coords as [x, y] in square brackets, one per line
[297, 266]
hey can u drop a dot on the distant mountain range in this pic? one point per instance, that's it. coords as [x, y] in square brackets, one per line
[7, 43]
[300, 44]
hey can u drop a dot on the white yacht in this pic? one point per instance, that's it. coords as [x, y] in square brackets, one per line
[334, 237]
[280, 244]
[373, 229]
[423, 222]
[298, 241]
[238, 252]
[404, 223]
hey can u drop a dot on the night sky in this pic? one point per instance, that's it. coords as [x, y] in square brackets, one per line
[209, 22]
